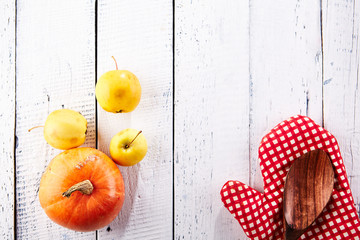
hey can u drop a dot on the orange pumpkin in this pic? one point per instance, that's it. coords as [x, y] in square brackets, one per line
[82, 189]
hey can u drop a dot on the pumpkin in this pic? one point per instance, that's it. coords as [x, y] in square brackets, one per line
[82, 189]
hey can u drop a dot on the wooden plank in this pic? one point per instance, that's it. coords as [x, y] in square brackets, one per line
[7, 118]
[285, 68]
[341, 33]
[139, 35]
[211, 114]
[55, 69]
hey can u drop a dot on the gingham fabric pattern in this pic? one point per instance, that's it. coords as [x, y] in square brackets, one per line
[260, 214]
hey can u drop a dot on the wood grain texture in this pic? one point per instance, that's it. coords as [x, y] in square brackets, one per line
[139, 35]
[237, 64]
[211, 114]
[341, 32]
[7, 118]
[285, 68]
[55, 69]
[308, 188]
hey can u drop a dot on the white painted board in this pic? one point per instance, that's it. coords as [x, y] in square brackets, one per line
[55, 68]
[211, 114]
[285, 68]
[7, 119]
[139, 35]
[341, 32]
[240, 68]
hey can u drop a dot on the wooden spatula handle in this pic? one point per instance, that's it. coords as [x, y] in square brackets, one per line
[291, 234]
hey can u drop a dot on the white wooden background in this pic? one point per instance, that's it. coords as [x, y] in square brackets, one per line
[216, 76]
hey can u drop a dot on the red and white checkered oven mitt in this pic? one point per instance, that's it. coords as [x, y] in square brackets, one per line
[261, 215]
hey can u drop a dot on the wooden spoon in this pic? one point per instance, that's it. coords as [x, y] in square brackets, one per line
[308, 188]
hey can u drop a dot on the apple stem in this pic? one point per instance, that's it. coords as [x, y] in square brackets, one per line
[34, 128]
[115, 62]
[128, 145]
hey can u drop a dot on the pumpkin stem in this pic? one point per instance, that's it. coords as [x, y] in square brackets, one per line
[85, 187]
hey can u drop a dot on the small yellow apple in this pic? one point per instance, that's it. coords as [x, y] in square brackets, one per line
[65, 129]
[128, 147]
[118, 91]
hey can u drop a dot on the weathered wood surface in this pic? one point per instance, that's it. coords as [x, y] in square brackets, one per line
[55, 68]
[211, 114]
[139, 35]
[341, 33]
[239, 68]
[285, 68]
[7, 118]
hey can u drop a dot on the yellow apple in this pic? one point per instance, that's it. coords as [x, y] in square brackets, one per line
[128, 147]
[118, 91]
[65, 129]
